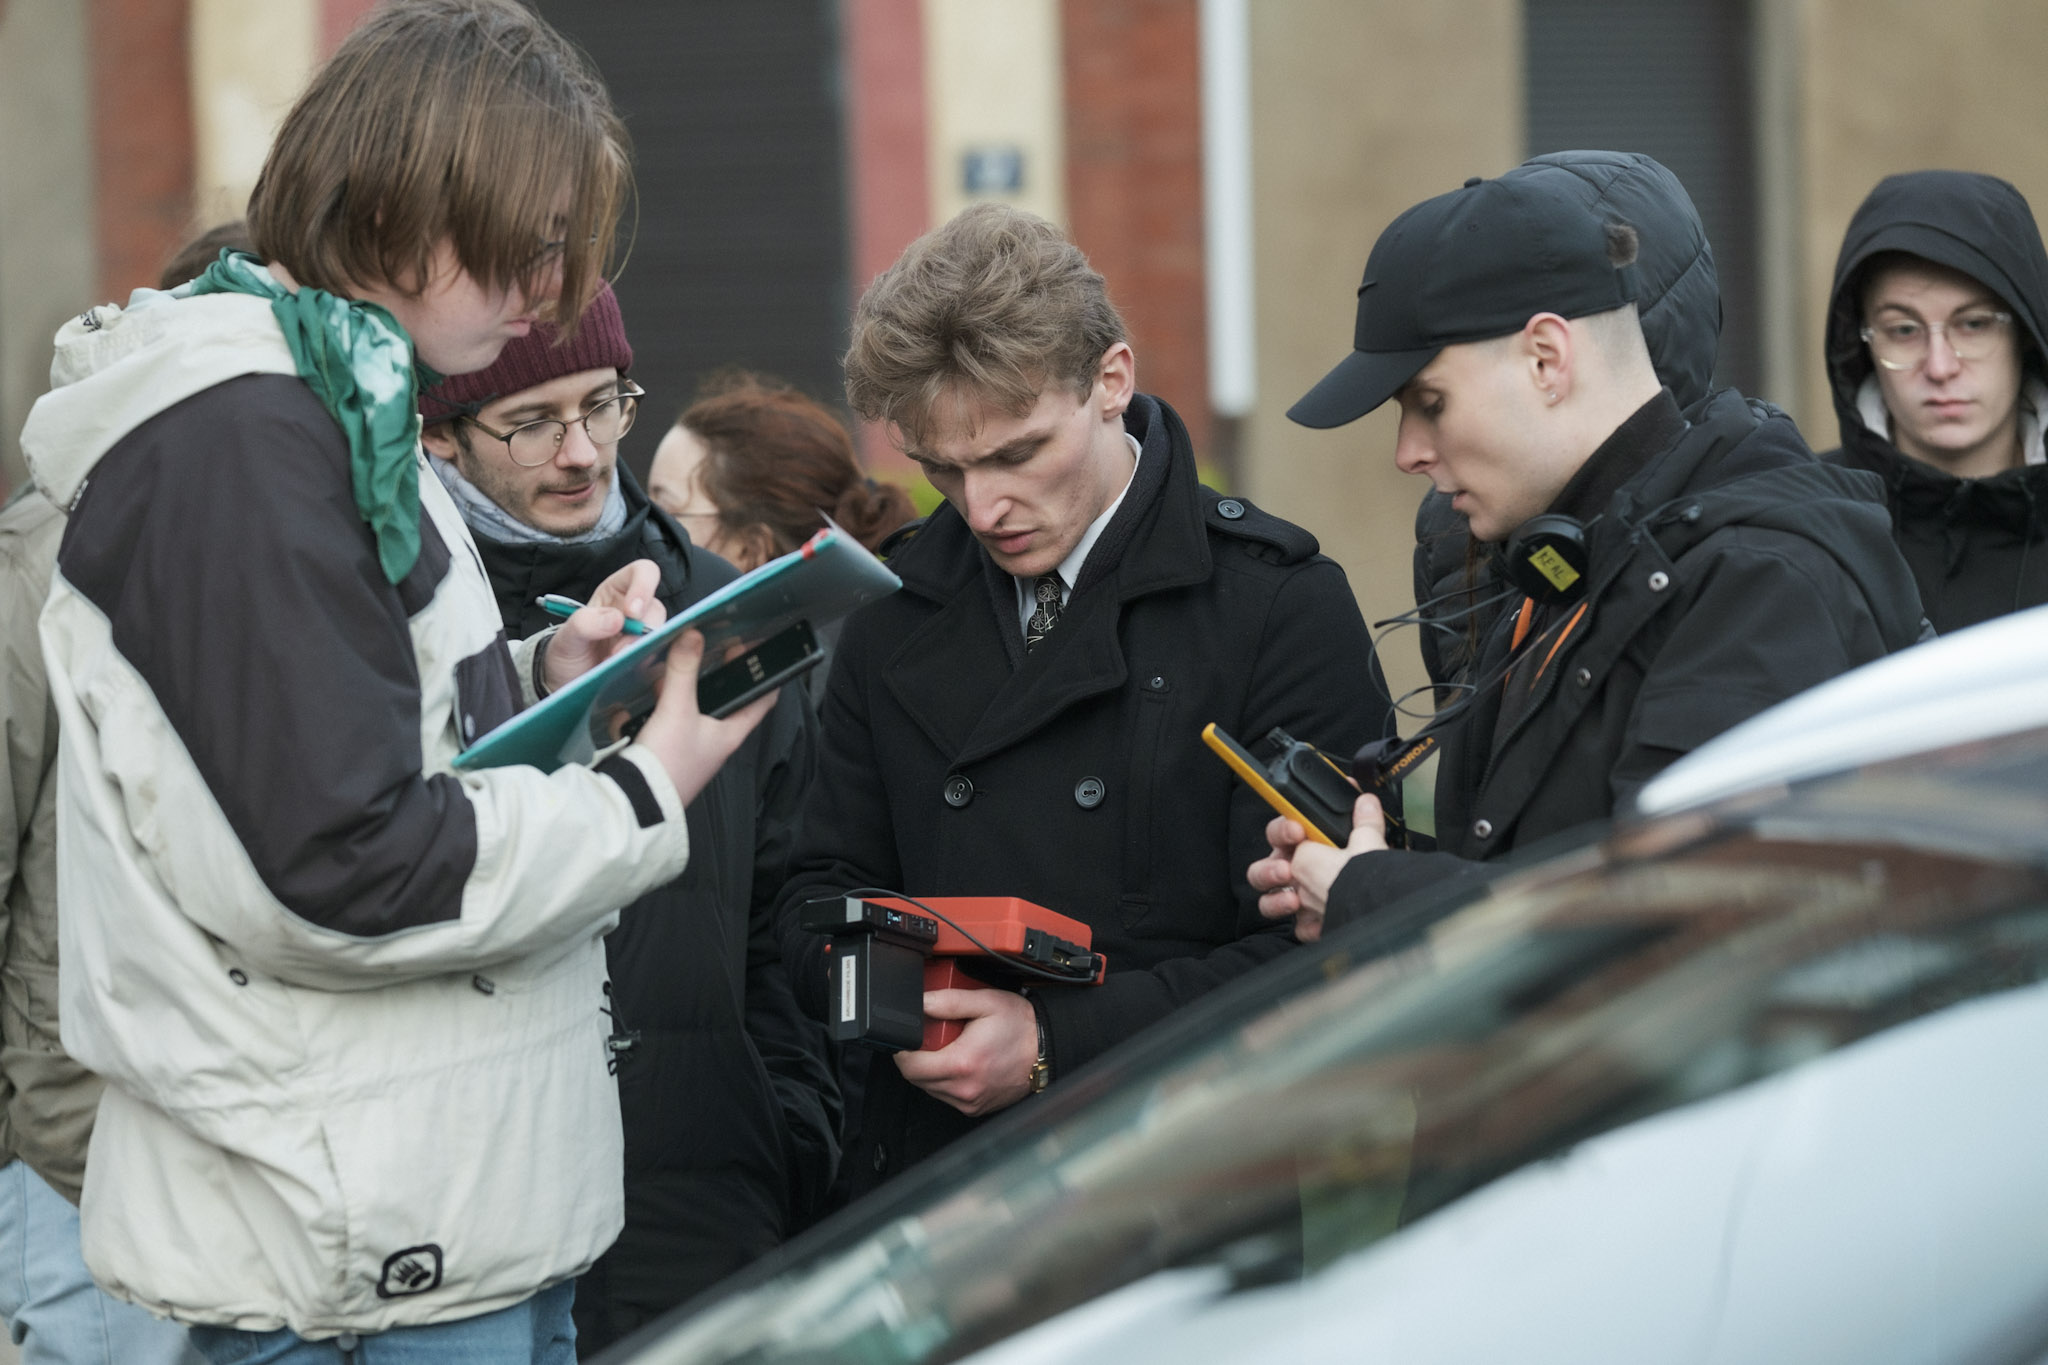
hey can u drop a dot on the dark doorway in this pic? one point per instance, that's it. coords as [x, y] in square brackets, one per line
[1671, 79]
[739, 252]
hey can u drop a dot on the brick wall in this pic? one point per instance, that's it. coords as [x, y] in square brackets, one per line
[141, 137]
[1132, 72]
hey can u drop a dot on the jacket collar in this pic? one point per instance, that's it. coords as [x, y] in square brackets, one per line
[1649, 431]
[963, 676]
[520, 573]
[115, 368]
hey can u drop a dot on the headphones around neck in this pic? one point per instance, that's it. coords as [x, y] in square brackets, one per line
[1546, 559]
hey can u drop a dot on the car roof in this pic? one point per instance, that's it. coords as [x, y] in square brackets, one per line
[1977, 684]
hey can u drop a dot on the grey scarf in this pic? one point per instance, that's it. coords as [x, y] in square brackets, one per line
[493, 522]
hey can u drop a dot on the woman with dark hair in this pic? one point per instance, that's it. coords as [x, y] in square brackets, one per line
[748, 468]
[751, 464]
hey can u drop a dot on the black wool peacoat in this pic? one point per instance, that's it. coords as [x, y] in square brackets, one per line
[952, 763]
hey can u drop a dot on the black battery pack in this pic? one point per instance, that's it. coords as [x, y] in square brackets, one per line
[877, 992]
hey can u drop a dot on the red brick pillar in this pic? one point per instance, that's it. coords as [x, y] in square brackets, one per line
[888, 194]
[1133, 81]
[338, 19]
[141, 137]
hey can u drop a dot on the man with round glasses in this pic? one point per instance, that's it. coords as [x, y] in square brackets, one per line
[530, 446]
[1934, 350]
[730, 1113]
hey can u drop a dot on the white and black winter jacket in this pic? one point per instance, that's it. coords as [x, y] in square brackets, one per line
[348, 1002]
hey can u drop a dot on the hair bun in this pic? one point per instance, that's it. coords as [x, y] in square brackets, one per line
[870, 510]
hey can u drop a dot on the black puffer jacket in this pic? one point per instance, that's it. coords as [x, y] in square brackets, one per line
[1680, 311]
[1975, 545]
[1732, 571]
[731, 1113]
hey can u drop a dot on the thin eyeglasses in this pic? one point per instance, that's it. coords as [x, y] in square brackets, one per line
[1902, 343]
[537, 443]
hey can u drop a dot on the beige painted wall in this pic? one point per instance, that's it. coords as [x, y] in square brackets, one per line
[48, 259]
[250, 59]
[1360, 108]
[1898, 85]
[992, 76]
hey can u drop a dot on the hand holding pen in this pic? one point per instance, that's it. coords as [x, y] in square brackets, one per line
[554, 604]
[623, 607]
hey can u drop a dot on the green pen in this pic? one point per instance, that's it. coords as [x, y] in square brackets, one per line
[556, 605]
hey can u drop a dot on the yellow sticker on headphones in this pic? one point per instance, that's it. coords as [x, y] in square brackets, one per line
[1548, 562]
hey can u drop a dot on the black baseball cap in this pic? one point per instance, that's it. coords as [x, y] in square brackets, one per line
[1476, 263]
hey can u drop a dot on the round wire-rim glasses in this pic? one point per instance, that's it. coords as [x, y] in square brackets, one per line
[1903, 343]
[533, 444]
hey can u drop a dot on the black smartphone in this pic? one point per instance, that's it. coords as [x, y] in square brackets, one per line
[767, 666]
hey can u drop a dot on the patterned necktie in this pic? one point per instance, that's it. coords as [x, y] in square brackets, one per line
[1045, 591]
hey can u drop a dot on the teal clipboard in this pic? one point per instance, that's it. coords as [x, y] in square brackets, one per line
[829, 576]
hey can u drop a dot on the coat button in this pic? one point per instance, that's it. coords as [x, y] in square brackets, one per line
[1157, 682]
[1659, 581]
[1230, 509]
[1584, 677]
[1482, 829]
[959, 791]
[1088, 793]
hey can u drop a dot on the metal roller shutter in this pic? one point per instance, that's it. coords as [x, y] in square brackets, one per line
[1670, 78]
[740, 256]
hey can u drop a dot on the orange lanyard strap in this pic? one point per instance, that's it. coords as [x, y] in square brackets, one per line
[1522, 623]
[1558, 643]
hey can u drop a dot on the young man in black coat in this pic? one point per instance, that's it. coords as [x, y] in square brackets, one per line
[1935, 347]
[1674, 576]
[1024, 717]
[730, 1111]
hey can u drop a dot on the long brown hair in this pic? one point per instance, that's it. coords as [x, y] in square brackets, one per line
[465, 121]
[774, 458]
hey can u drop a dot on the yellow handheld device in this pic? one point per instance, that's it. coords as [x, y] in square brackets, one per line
[1298, 780]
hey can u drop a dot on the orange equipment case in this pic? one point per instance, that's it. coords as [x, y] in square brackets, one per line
[1008, 925]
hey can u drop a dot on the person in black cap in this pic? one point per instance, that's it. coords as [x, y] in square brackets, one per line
[1669, 577]
[1934, 350]
[1678, 305]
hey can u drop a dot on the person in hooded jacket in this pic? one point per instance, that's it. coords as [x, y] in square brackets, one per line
[1935, 349]
[1678, 306]
[1676, 575]
[347, 999]
[727, 1099]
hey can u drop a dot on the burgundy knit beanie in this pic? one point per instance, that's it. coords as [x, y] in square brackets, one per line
[535, 359]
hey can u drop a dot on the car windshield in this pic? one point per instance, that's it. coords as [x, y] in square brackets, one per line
[1680, 960]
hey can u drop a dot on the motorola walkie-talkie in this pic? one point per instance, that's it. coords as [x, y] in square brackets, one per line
[1296, 779]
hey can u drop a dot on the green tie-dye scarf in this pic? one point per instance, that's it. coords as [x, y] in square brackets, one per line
[359, 363]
